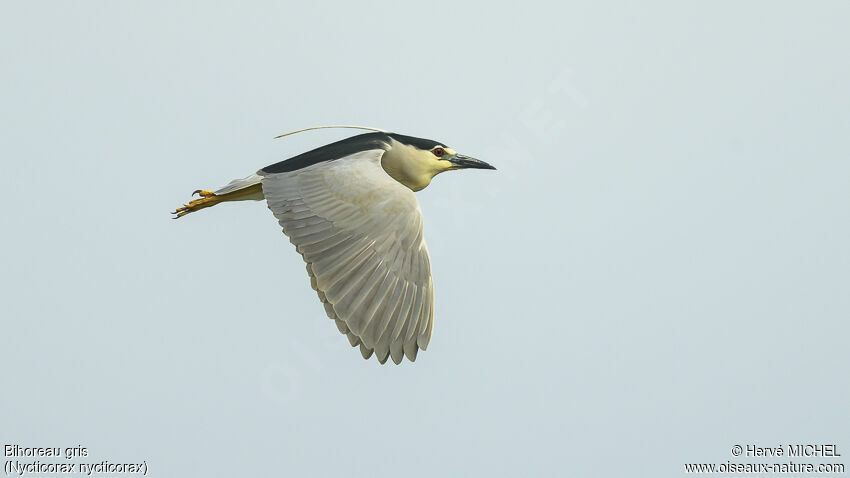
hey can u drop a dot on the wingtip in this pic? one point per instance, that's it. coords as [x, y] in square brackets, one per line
[410, 351]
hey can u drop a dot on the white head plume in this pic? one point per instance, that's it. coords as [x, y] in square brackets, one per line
[332, 126]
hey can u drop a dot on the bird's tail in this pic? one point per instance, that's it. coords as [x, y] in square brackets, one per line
[245, 189]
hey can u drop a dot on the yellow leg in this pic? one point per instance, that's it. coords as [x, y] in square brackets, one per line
[208, 198]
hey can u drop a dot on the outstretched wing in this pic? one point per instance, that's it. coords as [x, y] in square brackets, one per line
[360, 232]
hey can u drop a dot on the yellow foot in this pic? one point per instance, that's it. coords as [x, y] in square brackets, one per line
[208, 198]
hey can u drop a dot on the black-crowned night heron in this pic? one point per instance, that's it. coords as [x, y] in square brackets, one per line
[349, 209]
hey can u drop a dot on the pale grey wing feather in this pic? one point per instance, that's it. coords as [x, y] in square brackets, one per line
[360, 233]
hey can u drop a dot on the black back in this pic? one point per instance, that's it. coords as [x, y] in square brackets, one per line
[346, 147]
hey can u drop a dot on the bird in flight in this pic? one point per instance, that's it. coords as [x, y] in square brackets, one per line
[349, 209]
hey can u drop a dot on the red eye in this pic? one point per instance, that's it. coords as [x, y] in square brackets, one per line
[438, 152]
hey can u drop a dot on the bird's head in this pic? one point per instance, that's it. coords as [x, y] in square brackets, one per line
[415, 161]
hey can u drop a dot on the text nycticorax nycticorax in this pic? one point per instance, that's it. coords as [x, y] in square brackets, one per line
[350, 210]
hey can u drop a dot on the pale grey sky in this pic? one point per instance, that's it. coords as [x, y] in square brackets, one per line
[658, 270]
